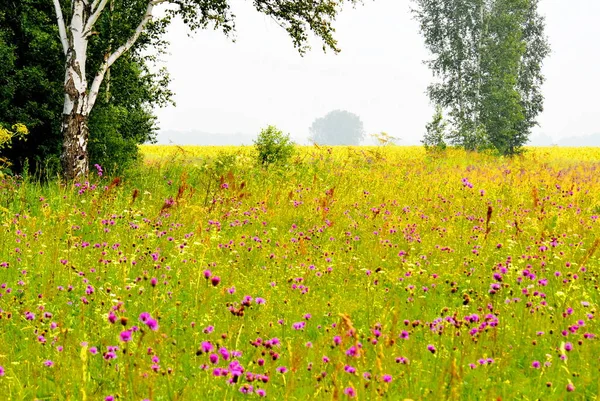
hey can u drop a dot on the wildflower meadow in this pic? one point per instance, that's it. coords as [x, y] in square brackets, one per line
[349, 273]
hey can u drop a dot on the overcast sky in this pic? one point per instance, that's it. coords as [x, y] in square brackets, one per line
[240, 87]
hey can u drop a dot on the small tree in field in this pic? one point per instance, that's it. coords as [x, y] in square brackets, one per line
[273, 146]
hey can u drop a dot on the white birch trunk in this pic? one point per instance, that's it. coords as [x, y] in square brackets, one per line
[75, 110]
[79, 98]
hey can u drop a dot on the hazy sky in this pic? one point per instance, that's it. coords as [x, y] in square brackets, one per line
[239, 87]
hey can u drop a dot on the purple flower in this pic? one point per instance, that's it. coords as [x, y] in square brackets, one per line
[152, 324]
[224, 353]
[299, 325]
[352, 351]
[126, 335]
[206, 346]
[246, 389]
[112, 318]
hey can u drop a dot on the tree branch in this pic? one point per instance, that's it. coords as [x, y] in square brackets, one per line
[62, 31]
[95, 15]
[110, 59]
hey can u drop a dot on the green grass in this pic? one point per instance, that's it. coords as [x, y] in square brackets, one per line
[368, 242]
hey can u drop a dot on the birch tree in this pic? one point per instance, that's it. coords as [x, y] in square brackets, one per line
[76, 20]
[487, 58]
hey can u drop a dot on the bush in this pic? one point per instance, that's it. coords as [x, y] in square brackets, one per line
[435, 135]
[273, 146]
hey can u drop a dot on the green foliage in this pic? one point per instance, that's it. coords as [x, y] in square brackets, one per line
[32, 92]
[16, 132]
[487, 57]
[273, 146]
[434, 139]
[338, 127]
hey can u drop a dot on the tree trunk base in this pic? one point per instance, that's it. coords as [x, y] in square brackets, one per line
[74, 157]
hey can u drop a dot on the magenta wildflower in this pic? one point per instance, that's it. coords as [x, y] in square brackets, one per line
[350, 392]
[112, 318]
[246, 389]
[224, 353]
[144, 316]
[352, 351]
[350, 369]
[126, 335]
[152, 324]
[206, 346]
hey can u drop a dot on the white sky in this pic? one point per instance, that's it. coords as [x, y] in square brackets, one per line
[226, 87]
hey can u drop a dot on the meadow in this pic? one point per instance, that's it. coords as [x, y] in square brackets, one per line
[352, 273]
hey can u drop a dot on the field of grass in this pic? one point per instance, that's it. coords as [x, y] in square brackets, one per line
[353, 273]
